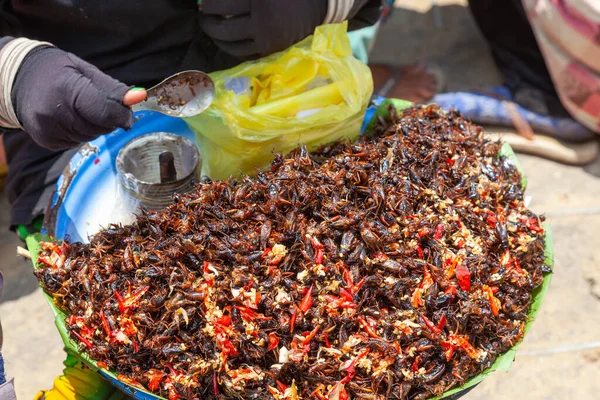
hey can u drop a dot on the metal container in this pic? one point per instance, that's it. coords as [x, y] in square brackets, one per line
[139, 169]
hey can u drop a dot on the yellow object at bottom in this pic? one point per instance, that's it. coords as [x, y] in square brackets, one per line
[78, 382]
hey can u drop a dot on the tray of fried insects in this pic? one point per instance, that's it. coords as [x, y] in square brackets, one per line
[405, 265]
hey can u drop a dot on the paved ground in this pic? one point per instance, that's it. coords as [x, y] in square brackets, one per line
[560, 358]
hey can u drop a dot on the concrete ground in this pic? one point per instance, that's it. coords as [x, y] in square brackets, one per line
[560, 358]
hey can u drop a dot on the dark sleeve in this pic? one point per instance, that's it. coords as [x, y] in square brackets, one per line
[364, 13]
[31, 177]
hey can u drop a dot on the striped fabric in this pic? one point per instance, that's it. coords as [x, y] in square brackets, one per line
[568, 33]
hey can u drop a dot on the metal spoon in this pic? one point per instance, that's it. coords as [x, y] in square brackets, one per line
[182, 95]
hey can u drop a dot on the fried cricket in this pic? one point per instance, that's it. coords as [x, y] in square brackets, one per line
[394, 268]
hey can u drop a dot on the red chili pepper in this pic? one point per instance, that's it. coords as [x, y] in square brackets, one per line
[431, 325]
[517, 265]
[346, 295]
[450, 161]
[532, 224]
[350, 366]
[105, 324]
[460, 243]
[310, 335]
[450, 290]
[317, 393]
[307, 301]
[347, 277]
[448, 349]
[225, 320]
[347, 304]
[357, 287]
[343, 394]
[491, 219]
[282, 387]
[131, 300]
[494, 302]
[225, 344]
[215, 385]
[57, 250]
[173, 371]
[273, 391]
[419, 251]
[120, 301]
[319, 257]
[318, 246]
[72, 320]
[442, 322]
[331, 298]
[427, 279]
[78, 321]
[304, 290]
[273, 341]
[293, 320]
[495, 289]
[136, 347]
[249, 314]
[500, 215]
[423, 232]
[327, 344]
[415, 365]
[83, 340]
[44, 261]
[173, 395]
[368, 328]
[155, 377]
[86, 331]
[257, 298]
[266, 252]
[128, 326]
[338, 302]
[464, 344]
[439, 231]
[464, 277]
[417, 298]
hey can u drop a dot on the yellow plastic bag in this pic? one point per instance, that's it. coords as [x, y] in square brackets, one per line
[313, 93]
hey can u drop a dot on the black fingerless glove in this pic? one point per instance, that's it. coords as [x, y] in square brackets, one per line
[62, 101]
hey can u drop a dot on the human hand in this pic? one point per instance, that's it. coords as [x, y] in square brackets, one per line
[62, 101]
[254, 28]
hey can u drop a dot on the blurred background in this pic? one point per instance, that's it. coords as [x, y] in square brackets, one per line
[560, 357]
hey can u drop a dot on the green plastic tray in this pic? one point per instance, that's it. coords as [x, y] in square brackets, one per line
[503, 362]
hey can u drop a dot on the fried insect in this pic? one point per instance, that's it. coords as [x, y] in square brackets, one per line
[396, 267]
